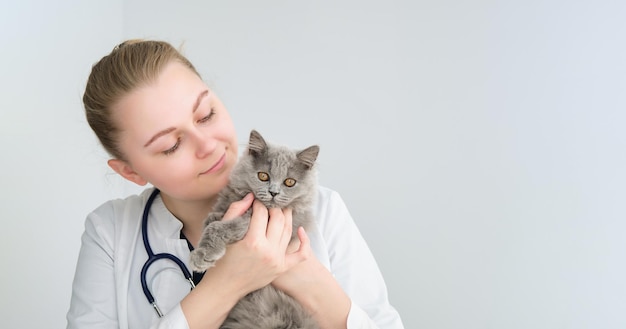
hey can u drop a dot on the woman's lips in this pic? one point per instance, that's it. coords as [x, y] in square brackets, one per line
[217, 166]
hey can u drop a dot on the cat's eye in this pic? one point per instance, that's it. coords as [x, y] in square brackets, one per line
[263, 176]
[289, 182]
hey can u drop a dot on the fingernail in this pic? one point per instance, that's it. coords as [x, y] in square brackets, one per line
[249, 196]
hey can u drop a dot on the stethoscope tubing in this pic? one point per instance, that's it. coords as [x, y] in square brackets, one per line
[154, 257]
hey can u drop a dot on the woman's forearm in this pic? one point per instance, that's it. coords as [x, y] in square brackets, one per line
[318, 291]
[208, 305]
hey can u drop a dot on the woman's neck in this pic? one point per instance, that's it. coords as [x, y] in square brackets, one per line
[191, 213]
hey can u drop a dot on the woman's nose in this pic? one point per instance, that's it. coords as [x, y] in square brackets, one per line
[205, 144]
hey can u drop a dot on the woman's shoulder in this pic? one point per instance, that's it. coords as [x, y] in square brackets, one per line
[112, 211]
[325, 193]
[114, 221]
[329, 205]
[327, 196]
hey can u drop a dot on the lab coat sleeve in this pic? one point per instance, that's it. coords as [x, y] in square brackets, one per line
[94, 302]
[174, 319]
[356, 270]
[358, 318]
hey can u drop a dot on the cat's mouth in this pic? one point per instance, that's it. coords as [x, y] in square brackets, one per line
[271, 202]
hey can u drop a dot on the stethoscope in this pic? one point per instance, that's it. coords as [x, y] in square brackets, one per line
[153, 258]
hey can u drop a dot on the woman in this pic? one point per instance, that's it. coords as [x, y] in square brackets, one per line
[162, 125]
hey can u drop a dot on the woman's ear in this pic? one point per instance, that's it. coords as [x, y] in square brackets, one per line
[126, 171]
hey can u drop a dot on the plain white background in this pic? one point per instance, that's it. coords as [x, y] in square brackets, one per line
[478, 144]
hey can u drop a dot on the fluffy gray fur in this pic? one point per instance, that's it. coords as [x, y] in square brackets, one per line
[267, 171]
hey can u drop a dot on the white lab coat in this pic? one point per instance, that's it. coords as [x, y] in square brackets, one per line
[107, 291]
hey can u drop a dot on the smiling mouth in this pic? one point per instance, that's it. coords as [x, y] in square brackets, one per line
[217, 166]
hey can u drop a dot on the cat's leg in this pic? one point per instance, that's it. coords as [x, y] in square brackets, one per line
[216, 236]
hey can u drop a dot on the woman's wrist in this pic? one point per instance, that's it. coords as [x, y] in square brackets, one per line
[328, 303]
[315, 288]
[209, 303]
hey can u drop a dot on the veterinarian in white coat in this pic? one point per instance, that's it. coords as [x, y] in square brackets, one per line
[163, 126]
[112, 236]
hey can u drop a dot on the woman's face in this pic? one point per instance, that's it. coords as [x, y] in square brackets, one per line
[176, 135]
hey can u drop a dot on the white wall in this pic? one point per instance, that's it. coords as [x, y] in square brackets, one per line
[479, 146]
[52, 171]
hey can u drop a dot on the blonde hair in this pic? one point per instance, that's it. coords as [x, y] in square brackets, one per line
[132, 64]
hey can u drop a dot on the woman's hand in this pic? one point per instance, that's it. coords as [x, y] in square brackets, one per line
[313, 286]
[249, 264]
[260, 257]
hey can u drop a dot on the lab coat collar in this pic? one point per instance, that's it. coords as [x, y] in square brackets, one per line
[162, 221]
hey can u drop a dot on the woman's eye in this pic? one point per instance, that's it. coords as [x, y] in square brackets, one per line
[173, 148]
[290, 182]
[208, 117]
[263, 176]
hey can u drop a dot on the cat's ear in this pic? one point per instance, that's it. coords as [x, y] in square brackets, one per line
[308, 155]
[257, 145]
[126, 171]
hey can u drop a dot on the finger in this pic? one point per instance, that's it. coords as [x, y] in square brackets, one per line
[305, 242]
[304, 251]
[238, 208]
[276, 225]
[258, 222]
[287, 228]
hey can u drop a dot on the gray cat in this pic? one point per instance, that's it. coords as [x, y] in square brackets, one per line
[280, 178]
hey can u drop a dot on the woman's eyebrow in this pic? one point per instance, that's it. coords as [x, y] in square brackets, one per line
[203, 94]
[159, 134]
[166, 131]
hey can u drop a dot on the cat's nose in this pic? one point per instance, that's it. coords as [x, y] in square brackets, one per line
[273, 193]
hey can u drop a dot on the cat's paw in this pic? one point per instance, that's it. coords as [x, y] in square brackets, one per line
[201, 259]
